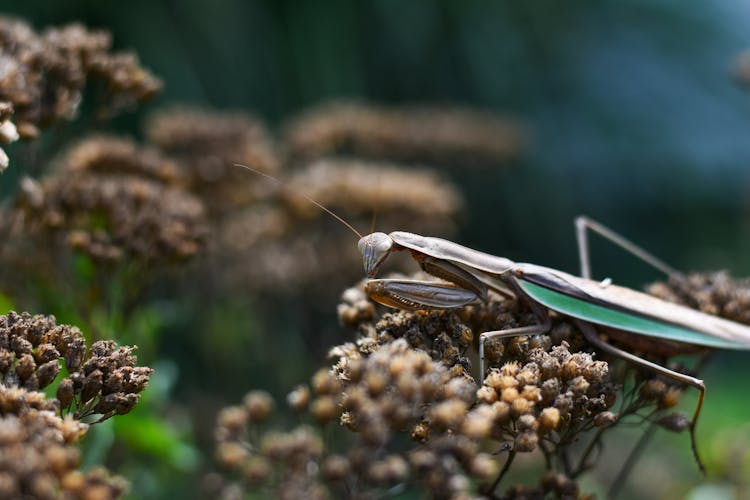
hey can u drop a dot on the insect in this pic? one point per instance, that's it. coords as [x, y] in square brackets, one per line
[601, 310]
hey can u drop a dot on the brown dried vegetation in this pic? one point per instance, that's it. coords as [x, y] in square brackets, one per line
[38, 456]
[408, 378]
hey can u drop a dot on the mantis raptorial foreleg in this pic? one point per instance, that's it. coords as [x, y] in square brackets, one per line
[593, 338]
[583, 223]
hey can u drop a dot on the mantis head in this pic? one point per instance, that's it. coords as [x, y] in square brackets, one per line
[374, 248]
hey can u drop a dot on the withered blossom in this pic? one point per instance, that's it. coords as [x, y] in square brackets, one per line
[38, 456]
[45, 74]
[359, 187]
[102, 380]
[38, 459]
[110, 217]
[714, 293]
[379, 397]
[112, 155]
[207, 144]
[411, 133]
[409, 376]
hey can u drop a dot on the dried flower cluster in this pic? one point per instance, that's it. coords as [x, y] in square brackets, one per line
[39, 459]
[425, 134]
[44, 75]
[101, 380]
[407, 379]
[713, 293]
[38, 456]
[207, 144]
[392, 392]
[360, 187]
[110, 199]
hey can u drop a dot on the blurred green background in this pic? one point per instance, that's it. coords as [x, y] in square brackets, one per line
[632, 118]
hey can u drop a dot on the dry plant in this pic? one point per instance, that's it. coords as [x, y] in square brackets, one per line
[39, 456]
[418, 419]
[113, 200]
[426, 134]
[207, 144]
[44, 76]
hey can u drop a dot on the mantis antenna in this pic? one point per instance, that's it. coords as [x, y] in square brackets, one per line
[300, 193]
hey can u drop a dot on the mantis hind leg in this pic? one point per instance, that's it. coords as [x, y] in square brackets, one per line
[583, 223]
[590, 333]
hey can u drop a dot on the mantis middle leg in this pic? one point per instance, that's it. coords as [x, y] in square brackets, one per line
[542, 326]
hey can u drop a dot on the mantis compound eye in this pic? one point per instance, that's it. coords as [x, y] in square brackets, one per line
[374, 248]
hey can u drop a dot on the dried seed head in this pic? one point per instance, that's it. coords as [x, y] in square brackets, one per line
[675, 422]
[605, 419]
[670, 398]
[486, 395]
[484, 466]
[652, 390]
[259, 405]
[299, 398]
[448, 414]
[324, 409]
[549, 419]
[479, 422]
[526, 441]
[65, 392]
[335, 468]
[324, 383]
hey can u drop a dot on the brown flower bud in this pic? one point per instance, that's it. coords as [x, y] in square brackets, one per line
[324, 383]
[65, 392]
[26, 366]
[653, 389]
[605, 418]
[74, 354]
[299, 398]
[675, 422]
[486, 395]
[45, 353]
[324, 409]
[231, 455]
[421, 432]
[448, 414]
[549, 419]
[259, 405]
[92, 385]
[335, 468]
[47, 372]
[484, 466]
[509, 394]
[256, 471]
[521, 406]
[670, 398]
[526, 441]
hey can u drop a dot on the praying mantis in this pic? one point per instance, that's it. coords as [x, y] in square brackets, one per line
[601, 310]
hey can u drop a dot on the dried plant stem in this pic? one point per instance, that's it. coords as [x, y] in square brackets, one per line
[501, 474]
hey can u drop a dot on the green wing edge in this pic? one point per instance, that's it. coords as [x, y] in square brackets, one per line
[620, 320]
